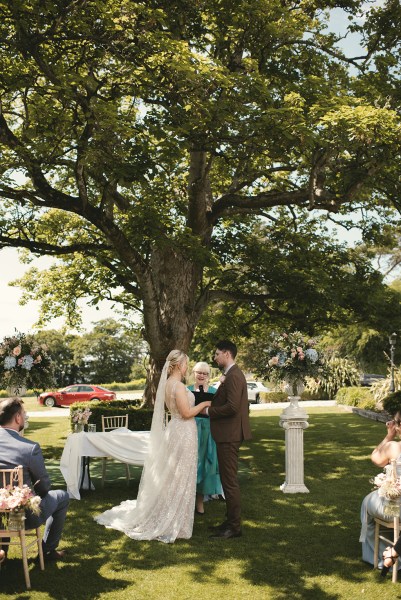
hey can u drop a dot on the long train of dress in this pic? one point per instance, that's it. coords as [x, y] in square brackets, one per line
[164, 509]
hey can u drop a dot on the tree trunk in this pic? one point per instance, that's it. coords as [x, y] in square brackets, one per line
[169, 310]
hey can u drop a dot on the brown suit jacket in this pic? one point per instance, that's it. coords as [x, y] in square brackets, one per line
[229, 412]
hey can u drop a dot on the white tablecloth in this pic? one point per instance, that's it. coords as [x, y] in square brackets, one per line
[122, 444]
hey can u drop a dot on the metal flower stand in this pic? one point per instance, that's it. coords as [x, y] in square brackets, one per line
[294, 420]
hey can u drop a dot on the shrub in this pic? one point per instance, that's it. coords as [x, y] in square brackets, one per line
[337, 372]
[135, 384]
[392, 403]
[139, 419]
[353, 396]
[273, 396]
[368, 404]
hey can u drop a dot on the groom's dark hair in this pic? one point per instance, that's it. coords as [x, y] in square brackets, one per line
[227, 346]
[9, 408]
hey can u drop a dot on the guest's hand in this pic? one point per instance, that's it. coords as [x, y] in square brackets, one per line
[391, 429]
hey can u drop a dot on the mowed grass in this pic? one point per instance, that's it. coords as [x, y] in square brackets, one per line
[301, 546]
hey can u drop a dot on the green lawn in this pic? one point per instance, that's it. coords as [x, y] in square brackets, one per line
[302, 546]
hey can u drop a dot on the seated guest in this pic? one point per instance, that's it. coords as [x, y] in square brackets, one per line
[208, 478]
[16, 450]
[373, 505]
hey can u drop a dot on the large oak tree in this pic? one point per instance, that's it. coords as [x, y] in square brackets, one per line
[142, 143]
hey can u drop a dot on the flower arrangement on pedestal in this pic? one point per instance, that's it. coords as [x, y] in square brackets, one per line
[24, 363]
[292, 357]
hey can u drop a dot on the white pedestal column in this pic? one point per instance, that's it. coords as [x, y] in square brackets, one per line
[294, 420]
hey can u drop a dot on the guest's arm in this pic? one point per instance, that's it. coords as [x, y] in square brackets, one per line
[37, 470]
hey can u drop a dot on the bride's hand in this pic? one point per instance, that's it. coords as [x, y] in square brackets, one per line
[207, 403]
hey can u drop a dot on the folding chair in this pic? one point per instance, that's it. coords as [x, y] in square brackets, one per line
[108, 424]
[15, 477]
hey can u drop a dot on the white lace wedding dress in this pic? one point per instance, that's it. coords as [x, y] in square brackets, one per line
[164, 509]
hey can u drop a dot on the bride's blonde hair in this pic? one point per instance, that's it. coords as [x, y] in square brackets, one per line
[175, 358]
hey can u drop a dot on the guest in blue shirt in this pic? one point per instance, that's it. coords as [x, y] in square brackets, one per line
[208, 479]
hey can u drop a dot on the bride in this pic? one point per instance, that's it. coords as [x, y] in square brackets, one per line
[164, 508]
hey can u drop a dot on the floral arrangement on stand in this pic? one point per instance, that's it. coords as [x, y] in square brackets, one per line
[16, 500]
[389, 488]
[24, 363]
[292, 357]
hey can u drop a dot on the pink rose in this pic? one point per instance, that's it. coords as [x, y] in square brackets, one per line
[222, 379]
[17, 350]
[273, 361]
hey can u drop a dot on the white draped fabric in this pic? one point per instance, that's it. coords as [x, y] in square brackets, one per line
[122, 444]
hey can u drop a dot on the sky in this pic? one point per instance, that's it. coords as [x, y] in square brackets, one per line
[23, 318]
[13, 316]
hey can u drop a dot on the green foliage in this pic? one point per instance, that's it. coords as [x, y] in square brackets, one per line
[355, 396]
[274, 396]
[107, 352]
[337, 373]
[135, 384]
[175, 155]
[139, 419]
[392, 403]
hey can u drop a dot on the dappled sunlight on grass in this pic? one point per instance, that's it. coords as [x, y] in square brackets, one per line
[295, 546]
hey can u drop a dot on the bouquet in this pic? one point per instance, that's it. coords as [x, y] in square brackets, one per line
[389, 489]
[16, 499]
[82, 416]
[292, 357]
[24, 363]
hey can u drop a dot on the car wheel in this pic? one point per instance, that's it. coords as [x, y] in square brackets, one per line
[94, 399]
[50, 401]
[257, 399]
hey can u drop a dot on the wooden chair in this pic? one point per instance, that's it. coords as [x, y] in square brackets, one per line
[394, 524]
[108, 424]
[15, 477]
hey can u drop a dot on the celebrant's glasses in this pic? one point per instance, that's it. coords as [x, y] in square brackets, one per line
[202, 373]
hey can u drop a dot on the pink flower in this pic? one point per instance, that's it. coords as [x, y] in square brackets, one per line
[273, 361]
[17, 350]
[37, 360]
[222, 379]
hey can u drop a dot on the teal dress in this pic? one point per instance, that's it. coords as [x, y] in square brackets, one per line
[208, 479]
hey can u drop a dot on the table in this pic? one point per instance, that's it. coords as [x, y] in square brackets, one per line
[122, 444]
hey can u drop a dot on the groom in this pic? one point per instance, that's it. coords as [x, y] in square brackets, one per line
[229, 425]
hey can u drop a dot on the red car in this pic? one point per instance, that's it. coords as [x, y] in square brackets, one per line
[75, 393]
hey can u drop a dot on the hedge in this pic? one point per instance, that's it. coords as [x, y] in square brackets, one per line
[139, 419]
[356, 396]
[267, 397]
